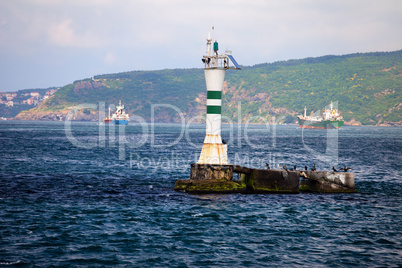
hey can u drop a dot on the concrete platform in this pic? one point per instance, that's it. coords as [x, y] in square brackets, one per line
[210, 178]
[219, 179]
[274, 181]
[210, 186]
[327, 182]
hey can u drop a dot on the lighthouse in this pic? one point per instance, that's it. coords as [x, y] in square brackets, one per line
[215, 66]
[213, 173]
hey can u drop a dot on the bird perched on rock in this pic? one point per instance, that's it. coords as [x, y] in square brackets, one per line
[305, 168]
[267, 165]
[294, 167]
[285, 167]
[334, 169]
[313, 169]
[345, 169]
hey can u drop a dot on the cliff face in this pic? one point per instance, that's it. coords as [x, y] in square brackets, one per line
[33, 115]
[59, 115]
[353, 122]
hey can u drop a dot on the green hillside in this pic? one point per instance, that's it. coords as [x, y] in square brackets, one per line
[367, 87]
[138, 90]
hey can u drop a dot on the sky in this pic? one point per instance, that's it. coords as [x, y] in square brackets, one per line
[46, 43]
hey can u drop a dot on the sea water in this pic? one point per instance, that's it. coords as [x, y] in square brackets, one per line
[87, 194]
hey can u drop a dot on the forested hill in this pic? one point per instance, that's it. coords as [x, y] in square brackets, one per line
[367, 87]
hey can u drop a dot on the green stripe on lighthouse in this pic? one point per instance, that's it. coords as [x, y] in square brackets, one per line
[214, 109]
[214, 95]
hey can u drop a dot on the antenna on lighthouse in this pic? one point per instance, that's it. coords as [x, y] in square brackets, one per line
[209, 40]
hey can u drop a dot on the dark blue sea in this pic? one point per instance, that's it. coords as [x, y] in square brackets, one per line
[85, 194]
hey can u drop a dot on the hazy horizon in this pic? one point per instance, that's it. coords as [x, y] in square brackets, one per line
[44, 43]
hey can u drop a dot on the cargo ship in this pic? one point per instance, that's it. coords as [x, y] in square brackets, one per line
[107, 119]
[330, 119]
[120, 117]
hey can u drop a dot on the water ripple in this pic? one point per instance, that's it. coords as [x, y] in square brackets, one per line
[67, 206]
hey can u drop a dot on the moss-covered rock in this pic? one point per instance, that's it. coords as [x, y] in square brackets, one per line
[210, 186]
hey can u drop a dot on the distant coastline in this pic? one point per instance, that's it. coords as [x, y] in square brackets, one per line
[366, 87]
[94, 118]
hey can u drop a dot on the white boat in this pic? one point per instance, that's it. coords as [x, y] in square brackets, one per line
[120, 117]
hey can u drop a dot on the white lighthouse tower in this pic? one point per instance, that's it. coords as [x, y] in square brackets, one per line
[215, 66]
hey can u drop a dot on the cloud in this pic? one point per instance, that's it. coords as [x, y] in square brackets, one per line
[110, 58]
[63, 34]
[121, 35]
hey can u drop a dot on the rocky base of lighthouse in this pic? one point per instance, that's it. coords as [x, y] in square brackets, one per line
[273, 181]
[211, 172]
[211, 178]
[327, 182]
[209, 187]
[206, 178]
